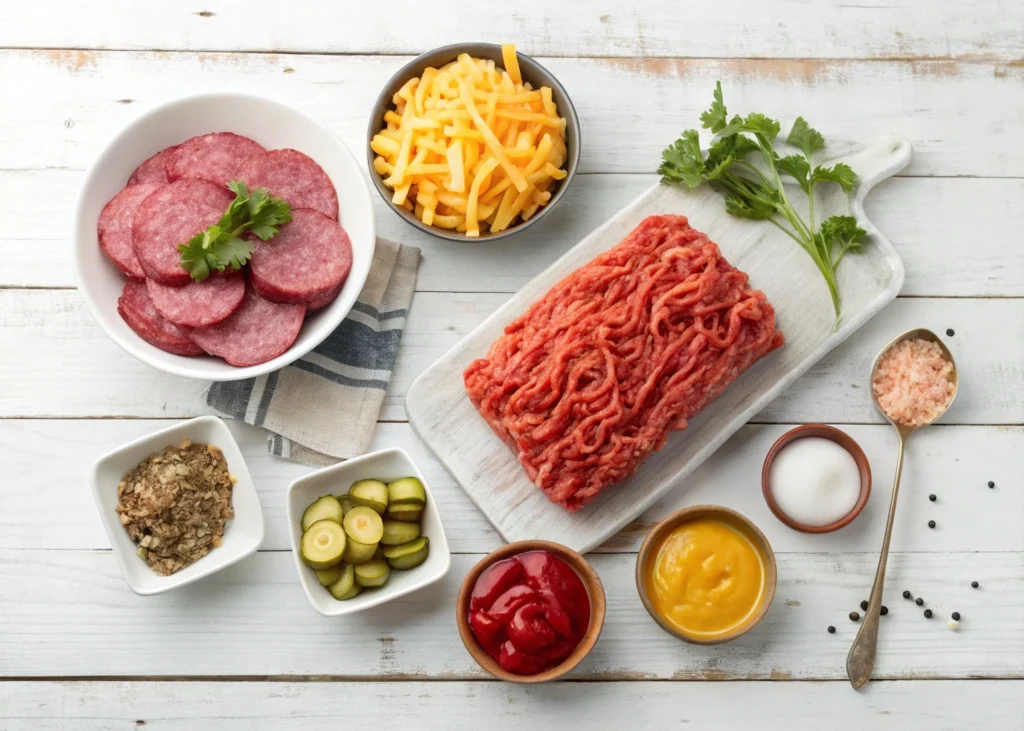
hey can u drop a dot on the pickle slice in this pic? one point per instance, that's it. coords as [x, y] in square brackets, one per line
[324, 508]
[397, 532]
[326, 577]
[407, 490]
[343, 585]
[372, 573]
[346, 502]
[323, 544]
[364, 525]
[355, 591]
[408, 555]
[357, 553]
[407, 513]
[370, 494]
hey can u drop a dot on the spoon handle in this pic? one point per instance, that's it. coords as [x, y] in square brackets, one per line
[861, 660]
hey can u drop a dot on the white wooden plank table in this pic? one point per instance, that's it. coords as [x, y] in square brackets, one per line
[244, 650]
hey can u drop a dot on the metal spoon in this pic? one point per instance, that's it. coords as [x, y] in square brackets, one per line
[861, 660]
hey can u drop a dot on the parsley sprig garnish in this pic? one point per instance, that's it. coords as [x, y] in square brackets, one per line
[757, 192]
[222, 245]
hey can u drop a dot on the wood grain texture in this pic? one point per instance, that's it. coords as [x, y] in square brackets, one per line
[69, 613]
[914, 213]
[52, 348]
[877, 28]
[71, 102]
[478, 459]
[460, 706]
[945, 460]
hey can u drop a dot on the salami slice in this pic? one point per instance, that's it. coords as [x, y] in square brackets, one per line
[115, 227]
[198, 304]
[138, 311]
[171, 216]
[256, 332]
[152, 170]
[215, 157]
[291, 175]
[322, 302]
[305, 262]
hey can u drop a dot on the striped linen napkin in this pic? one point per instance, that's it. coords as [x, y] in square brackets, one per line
[323, 407]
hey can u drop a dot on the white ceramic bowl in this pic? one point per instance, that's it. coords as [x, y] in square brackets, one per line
[272, 124]
[385, 465]
[242, 536]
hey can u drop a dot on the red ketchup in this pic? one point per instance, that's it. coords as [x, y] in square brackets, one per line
[529, 611]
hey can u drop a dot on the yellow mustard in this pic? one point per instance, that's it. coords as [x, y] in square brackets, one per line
[706, 579]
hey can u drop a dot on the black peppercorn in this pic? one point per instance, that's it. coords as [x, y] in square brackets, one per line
[932, 497]
[956, 616]
[864, 605]
[949, 331]
[906, 594]
[919, 601]
[991, 484]
[931, 523]
[884, 610]
[854, 616]
[831, 630]
[928, 613]
[974, 584]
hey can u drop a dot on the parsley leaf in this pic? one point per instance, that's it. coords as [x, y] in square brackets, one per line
[756, 191]
[714, 118]
[222, 245]
[808, 139]
[840, 173]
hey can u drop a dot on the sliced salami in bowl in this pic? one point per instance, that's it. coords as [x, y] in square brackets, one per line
[308, 260]
[115, 227]
[258, 331]
[293, 176]
[136, 309]
[215, 157]
[199, 304]
[171, 216]
[153, 169]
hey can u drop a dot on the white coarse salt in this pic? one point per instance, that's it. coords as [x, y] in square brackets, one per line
[815, 481]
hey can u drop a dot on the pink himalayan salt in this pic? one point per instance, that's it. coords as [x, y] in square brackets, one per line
[911, 382]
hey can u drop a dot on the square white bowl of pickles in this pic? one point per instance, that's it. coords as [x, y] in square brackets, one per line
[387, 466]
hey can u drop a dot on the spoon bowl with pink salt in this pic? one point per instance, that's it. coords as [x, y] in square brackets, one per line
[913, 383]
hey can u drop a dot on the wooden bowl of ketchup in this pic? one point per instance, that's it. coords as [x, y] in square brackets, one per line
[530, 611]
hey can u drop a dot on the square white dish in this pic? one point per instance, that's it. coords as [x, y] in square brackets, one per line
[443, 416]
[385, 465]
[242, 535]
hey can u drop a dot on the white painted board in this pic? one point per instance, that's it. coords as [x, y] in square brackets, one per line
[442, 415]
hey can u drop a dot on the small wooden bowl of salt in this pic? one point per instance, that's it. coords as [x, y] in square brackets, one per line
[816, 478]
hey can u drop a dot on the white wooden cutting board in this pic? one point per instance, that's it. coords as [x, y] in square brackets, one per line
[444, 417]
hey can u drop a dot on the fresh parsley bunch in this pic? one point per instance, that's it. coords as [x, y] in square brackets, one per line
[752, 193]
[221, 245]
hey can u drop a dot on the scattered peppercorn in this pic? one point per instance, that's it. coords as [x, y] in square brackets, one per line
[931, 523]
[831, 630]
[864, 605]
[991, 484]
[974, 584]
[854, 616]
[932, 497]
[919, 601]
[906, 594]
[928, 613]
[884, 611]
[956, 616]
[949, 331]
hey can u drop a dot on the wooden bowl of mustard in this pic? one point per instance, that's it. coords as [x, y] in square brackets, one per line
[706, 574]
